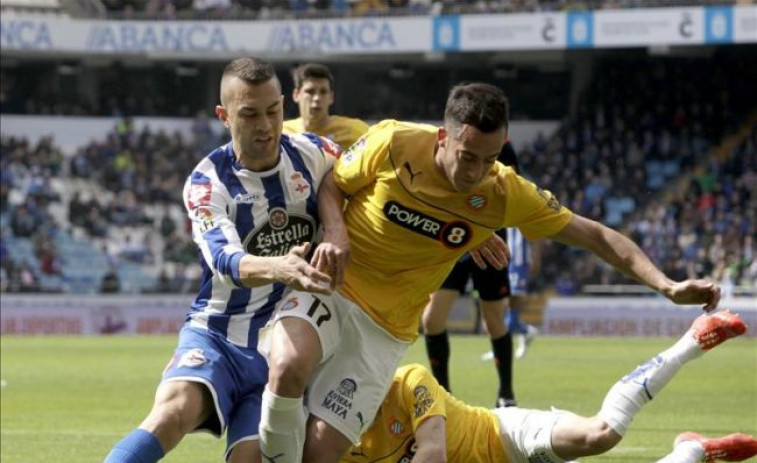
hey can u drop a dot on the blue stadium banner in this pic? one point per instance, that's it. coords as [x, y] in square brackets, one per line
[718, 24]
[580, 30]
[446, 32]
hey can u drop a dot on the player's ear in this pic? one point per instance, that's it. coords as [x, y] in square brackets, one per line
[222, 115]
[296, 95]
[441, 136]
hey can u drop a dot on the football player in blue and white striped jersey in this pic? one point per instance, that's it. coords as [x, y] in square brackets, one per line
[254, 210]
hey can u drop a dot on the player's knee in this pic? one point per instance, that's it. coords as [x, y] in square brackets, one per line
[600, 437]
[289, 373]
[178, 410]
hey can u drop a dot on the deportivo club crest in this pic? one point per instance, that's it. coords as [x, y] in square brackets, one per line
[278, 218]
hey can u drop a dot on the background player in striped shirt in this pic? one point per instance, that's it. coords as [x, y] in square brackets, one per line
[314, 94]
[420, 421]
[254, 213]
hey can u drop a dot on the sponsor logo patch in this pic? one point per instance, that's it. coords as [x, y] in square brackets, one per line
[279, 234]
[549, 198]
[330, 147]
[199, 194]
[353, 152]
[423, 401]
[339, 401]
[204, 214]
[451, 234]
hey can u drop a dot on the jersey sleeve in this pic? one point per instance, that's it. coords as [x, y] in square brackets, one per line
[207, 203]
[421, 395]
[329, 150]
[536, 212]
[357, 167]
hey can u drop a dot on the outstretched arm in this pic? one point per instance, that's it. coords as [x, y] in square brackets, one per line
[626, 256]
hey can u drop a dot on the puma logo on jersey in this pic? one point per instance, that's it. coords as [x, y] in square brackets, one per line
[453, 234]
[410, 171]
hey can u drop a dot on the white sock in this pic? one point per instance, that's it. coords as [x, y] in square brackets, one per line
[685, 452]
[640, 386]
[282, 428]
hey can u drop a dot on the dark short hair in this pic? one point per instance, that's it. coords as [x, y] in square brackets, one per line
[251, 70]
[312, 71]
[480, 105]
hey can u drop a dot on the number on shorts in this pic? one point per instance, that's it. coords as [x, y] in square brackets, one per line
[314, 307]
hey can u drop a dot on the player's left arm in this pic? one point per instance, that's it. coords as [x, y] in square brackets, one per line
[333, 254]
[623, 254]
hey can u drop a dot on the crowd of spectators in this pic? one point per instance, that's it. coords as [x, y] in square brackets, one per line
[282, 9]
[122, 194]
[647, 151]
[634, 137]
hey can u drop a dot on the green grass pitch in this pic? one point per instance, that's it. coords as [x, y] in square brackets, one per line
[71, 399]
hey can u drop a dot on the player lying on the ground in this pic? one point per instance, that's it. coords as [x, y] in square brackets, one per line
[421, 421]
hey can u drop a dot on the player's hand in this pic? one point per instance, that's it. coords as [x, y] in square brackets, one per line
[493, 251]
[333, 255]
[293, 270]
[692, 292]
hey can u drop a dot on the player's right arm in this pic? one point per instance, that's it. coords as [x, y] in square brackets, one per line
[208, 203]
[423, 399]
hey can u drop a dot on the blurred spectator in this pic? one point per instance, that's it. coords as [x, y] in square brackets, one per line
[110, 283]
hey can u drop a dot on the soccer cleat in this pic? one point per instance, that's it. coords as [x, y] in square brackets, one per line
[526, 340]
[709, 330]
[733, 447]
[503, 402]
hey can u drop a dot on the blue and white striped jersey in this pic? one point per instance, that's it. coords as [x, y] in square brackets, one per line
[520, 261]
[236, 211]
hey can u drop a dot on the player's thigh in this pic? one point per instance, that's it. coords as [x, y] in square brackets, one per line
[223, 372]
[437, 310]
[324, 443]
[348, 388]
[318, 314]
[527, 434]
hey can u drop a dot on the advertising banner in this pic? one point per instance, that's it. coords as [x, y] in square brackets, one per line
[621, 316]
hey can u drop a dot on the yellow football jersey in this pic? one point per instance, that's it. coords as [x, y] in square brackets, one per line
[414, 396]
[344, 131]
[408, 226]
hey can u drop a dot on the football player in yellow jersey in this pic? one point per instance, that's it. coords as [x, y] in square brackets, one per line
[314, 95]
[419, 198]
[420, 421]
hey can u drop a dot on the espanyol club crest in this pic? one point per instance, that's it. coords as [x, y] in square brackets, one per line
[396, 427]
[278, 218]
[299, 187]
[476, 202]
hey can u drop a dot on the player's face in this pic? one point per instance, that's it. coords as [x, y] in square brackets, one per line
[466, 154]
[254, 115]
[314, 99]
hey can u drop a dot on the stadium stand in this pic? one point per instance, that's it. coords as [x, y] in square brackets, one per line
[662, 147]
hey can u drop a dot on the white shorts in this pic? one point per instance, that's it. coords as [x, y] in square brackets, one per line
[527, 434]
[358, 364]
